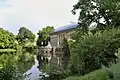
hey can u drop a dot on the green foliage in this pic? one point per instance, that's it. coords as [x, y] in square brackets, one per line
[90, 52]
[66, 55]
[57, 75]
[96, 11]
[13, 66]
[7, 39]
[43, 36]
[66, 47]
[96, 75]
[8, 73]
[7, 68]
[25, 36]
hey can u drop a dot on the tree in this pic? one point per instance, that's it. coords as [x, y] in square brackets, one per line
[66, 52]
[43, 36]
[105, 13]
[25, 35]
[7, 39]
[92, 51]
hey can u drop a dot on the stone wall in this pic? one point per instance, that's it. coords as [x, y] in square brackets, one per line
[56, 39]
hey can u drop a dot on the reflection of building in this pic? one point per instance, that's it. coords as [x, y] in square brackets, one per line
[60, 33]
[46, 51]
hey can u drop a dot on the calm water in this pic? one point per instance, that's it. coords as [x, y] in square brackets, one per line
[25, 67]
[33, 73]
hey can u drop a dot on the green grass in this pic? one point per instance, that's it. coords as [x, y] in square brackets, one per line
[100, 74]
[96, 75]
[115, 70]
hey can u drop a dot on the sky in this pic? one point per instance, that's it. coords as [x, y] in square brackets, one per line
[35, 14]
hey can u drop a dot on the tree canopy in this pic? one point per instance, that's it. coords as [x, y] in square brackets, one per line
[7, 39]
[92, 51]
[105, 13]
[25, 35]
[43, 36]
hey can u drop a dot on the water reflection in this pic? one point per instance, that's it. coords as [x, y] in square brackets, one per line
[23, 66]
[34, 73]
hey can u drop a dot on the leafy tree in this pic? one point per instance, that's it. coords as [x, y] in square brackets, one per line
[7, 39]
[92, 51]
[25, 35]
[66, 47]
[43, 36]
[66, 54]
[105, 13]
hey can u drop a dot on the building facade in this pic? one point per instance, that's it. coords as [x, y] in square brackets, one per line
[56, 38]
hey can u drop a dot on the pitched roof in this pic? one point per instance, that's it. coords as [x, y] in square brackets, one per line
[66, 27]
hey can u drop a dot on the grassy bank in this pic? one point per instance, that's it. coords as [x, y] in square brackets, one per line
[96, 75]
[7, 50]
[111, 73]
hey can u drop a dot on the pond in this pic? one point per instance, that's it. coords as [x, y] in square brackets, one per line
[20, 67]
[34, 73]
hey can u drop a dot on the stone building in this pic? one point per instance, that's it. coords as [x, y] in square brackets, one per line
[60, 33]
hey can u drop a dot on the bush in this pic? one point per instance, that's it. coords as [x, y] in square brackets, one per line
[96, 75]
[91, 51]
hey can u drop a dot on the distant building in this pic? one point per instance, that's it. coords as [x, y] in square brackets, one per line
[56, 38]
[54, 51]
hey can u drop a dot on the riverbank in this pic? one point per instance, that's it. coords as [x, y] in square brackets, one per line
[7, 50]
[111, 73]
[96, 75]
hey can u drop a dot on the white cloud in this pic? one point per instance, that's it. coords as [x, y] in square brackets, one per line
[35, 14]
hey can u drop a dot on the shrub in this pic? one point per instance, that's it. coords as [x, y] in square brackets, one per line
[91, 51]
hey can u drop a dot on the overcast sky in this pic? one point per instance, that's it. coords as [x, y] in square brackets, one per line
[35, 14]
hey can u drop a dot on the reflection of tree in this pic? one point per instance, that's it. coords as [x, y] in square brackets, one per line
[42, 62]
[25, 66]
[12, 68]
[8, 71]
